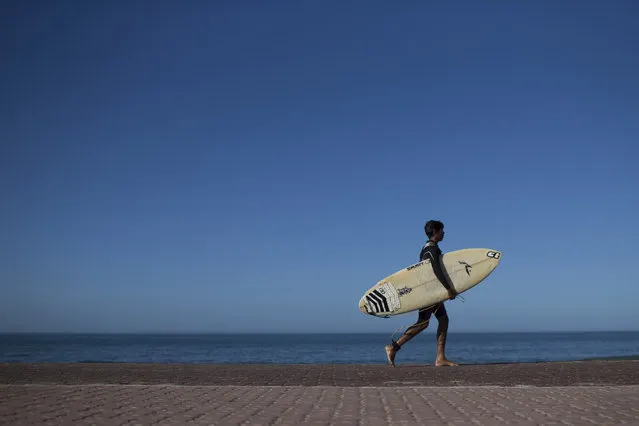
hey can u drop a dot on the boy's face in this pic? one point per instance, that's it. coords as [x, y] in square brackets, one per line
[439, 235]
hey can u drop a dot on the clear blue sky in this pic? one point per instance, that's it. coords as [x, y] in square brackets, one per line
[255, 168]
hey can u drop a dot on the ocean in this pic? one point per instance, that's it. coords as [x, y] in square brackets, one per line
[465, 348]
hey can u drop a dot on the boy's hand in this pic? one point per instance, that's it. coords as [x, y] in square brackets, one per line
[452, 294]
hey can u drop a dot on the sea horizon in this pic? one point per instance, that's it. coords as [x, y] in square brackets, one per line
[313, 348]
[428, 331]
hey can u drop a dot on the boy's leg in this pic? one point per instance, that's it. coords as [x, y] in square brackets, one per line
[442, 331]
[420, 325]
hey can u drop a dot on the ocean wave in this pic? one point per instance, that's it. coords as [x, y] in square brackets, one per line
[614, 358]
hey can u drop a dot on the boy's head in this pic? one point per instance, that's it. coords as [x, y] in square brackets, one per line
[434, 230]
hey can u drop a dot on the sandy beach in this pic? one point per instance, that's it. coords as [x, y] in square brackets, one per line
[586, 392]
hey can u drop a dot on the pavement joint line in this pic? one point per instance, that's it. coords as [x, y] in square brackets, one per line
[172, 385]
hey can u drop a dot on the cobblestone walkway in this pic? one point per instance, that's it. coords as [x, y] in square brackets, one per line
[578, 393]
[320, 405]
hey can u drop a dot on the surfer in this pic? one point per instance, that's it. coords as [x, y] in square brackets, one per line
[435, 232]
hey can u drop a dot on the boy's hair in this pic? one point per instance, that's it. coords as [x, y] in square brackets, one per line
[432, 226]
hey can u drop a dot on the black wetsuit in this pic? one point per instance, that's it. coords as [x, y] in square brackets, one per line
[431, 251]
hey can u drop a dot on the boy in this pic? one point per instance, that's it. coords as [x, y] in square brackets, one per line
[435, 232]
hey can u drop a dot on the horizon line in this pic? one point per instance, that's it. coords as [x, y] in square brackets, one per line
[310, 332]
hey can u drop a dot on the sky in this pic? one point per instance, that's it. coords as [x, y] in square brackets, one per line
[250, 167]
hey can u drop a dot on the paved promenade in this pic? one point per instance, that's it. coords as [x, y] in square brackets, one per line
[588, 393]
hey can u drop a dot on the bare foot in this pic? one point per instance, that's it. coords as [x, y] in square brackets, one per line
[445, 363]
[390, 354]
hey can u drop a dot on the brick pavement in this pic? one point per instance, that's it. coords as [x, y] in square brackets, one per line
[579, 393]
[316, 405]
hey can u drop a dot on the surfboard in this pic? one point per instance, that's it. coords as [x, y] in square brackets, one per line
[416, 286]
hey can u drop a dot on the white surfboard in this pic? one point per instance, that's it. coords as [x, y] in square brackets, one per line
[417, 287]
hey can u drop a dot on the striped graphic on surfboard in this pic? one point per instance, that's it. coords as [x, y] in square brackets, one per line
[383, 299]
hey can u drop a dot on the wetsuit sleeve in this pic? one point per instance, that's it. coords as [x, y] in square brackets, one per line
[433, 253]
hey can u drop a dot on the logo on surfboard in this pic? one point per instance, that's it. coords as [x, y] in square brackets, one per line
[466, 266]
[493, 254]
[403, 291]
